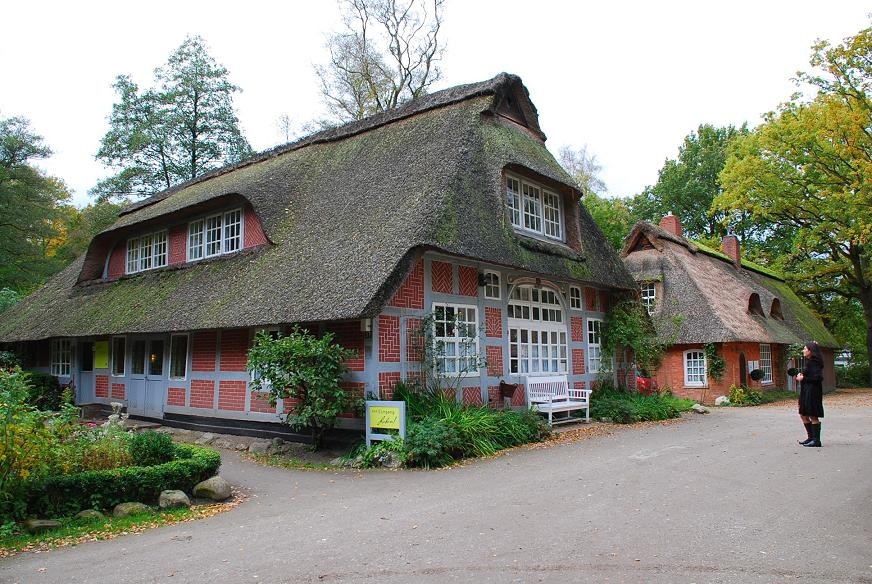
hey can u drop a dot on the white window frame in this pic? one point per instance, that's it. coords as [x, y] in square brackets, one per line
[648, 294]
[456, 346]
[216, 234]
[61, 357]
[594, 345]
[575, 298]
[534, 209]
[492, 288]
[698, 359]
[146, 252]
[537, 332]
[114, 373]
[173, 337]
[766, 362]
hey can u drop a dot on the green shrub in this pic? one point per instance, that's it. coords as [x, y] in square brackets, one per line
[623, 407]
[378, 454]
[61, 495]
[743, 396]
[854, 375]
[95, 448]
[432, 443]
[46, 392]
[150, 448]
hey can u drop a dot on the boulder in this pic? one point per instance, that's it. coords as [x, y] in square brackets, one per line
[40, 525]
[128, 509]
[206, 438]
[173, 500]
[215, 488]
[699, 409]
[259, 447]
[222, 443]
[89, 514]
[722, 400]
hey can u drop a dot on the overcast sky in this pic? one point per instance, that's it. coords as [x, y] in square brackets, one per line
[628, 79]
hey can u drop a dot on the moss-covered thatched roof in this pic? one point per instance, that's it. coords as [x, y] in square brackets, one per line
[346, 211]
[706, 296]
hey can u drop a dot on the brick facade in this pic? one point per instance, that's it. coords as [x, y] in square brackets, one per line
[442, 277]
[178, 245]
[117, 261]
[493, 322]
[386, 383]
[577, 328]
[176, 396]
[349, 335]
[472, 396]
[203, 351]
[414, 340]
[234, 350]
[578, 366]
[468, 277]
[253, 232]
[388, 338]
[202, 393]
[101, 385]
[410, 294]
[590, 300]
[494, 357]
[231, 395]
[260, 403]
[118, 391]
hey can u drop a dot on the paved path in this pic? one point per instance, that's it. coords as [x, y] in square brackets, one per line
[728, 497]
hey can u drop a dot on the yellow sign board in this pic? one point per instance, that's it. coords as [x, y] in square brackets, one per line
[387, 417]
[101, 355]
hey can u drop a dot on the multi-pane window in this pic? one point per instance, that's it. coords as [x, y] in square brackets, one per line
[649, 296]
[456, 337]
[178, 356]
[147, 252]
[534, 209]
[594, 345]
[61, 357]
[119, 354]
[766, 362]
[137, 361]
[491, 285]
[215, 235]
[695, 368]
[575, 298]
[537, 333]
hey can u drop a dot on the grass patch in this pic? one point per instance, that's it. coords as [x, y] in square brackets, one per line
[289, 462]
[741, 396]
[73, 531]
[624, 407]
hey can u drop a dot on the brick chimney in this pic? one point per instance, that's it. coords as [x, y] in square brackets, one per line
[672, 224]
[730, 246]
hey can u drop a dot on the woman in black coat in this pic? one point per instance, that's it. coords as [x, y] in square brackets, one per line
[811, 395]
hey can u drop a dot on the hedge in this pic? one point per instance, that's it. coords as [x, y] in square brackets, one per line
[62, 495]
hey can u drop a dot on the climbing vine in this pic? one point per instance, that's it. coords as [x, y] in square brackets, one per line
[627, 325]
[716, 363]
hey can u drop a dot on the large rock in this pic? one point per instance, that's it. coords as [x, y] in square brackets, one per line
[128, 509]
[699, 409]
[215, 488]
[40, 525]
[206, 438]
[173, 500]
[89, 514]
[722, 400]
[259, 447]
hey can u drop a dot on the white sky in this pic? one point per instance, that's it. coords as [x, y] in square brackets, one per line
[628, 79]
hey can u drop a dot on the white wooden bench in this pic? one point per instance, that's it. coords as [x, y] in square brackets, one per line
[552, 394]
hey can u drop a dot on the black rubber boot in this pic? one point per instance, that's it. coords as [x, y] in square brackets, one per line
[816, 439]
[808, 431]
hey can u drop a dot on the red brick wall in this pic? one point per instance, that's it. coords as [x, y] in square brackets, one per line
[101, 385]
[468, 281]
[410, 294]
[386, 383]
[176, 396]
[494, 397]
[349, 335]
[577, 328]
[118, 391]
[672, 224]
[472, 396]
[202, 393]
[234, 350]
[388, 338]
[493, 319]
[579, 385]
[414, 340]
[494, 356]
[178, 245]
[231, 395]
[203, 351]
[590, 298]
[253, 234]
[442, 277]
[117, 261]
[260, 403]
[603, 301]
[578, 365]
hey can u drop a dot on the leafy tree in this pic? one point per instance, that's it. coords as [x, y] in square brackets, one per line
[808, 169]
[686, 186]
[81, 225]
[8, 297]
[612, 216]
[584, 168]
[387, 54]
[28, 207]
[307, 370]
[174, 132]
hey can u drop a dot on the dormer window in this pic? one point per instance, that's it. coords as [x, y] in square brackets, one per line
[649, 296]
[215, 235]
[754, 305]
[775, 309]
[533, 208]
[146, 252]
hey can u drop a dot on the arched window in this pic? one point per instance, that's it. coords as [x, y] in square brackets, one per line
[537, 331]
[754, 305]
[492, 285]
[775, 309]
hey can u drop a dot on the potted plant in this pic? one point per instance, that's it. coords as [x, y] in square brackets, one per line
[756, 374]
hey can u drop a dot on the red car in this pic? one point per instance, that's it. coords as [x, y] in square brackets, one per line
[644, 383]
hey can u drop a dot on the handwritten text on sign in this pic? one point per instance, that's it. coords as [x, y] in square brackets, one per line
[384, 417]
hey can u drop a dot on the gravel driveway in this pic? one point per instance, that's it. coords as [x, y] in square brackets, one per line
[727, 497]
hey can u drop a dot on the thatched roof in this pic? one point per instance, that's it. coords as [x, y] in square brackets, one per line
[346, 211]
[707, 297]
